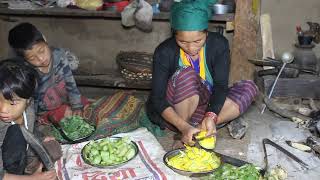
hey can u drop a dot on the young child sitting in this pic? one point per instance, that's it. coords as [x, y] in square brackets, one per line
[17, 85]
[57, 94]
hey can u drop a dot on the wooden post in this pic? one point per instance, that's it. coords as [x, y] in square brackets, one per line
[244, 43]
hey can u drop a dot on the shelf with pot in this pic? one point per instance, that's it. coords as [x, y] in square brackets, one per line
[80, 13]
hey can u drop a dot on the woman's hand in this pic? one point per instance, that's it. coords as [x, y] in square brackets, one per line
[208, 125]
[187, 134]
[48, 175]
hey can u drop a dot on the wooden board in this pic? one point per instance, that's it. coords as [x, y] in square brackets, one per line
[110, 79]
[244, 40]
[305, 86]
[80, 13]
[266, 34]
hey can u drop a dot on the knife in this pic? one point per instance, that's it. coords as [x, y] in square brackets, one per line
[289, 154]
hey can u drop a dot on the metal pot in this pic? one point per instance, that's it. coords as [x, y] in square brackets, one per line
[306, 58]
[221, 9]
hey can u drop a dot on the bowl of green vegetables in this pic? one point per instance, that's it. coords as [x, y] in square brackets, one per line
[110, 152]
[73, 129]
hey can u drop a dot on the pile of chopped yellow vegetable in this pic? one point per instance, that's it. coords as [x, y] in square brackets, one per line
[195, 160]
[209, 142]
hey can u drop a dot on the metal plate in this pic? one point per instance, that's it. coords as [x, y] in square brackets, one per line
[133, 144]
[172, 153]
[81, 139]
[223, 158]
[68, 140]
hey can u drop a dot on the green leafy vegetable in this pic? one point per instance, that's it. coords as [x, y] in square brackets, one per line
[230, 172]
[55, 133]
[75, 127]
[109, 151]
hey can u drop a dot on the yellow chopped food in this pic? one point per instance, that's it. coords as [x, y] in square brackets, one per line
[209, 142]
[195, 160]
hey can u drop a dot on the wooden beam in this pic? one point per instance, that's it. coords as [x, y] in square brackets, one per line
[266, 33]
[244, 43]
[80, 13]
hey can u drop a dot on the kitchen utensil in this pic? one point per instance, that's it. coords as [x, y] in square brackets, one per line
[59, 128]
[306, 58]
[276, 63]
[133, 144]
[221, 9]
[64, 134]
[225, 159]
[231, 160]
[194, 137]
[174, 152]
[268, 141]
[286, 58]
[197, 140]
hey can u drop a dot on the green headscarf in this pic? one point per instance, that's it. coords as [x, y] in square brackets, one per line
[191, 15]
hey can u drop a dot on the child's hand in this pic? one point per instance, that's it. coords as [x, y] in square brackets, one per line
[68, 112]
[53, 148]
[77, 113]
[49, 138]
[48, 175]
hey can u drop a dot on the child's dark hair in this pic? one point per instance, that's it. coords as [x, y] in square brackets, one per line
[17, 78]
[23, 36]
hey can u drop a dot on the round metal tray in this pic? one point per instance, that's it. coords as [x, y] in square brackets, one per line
[133, 144]
[174, 152]
[66, 138]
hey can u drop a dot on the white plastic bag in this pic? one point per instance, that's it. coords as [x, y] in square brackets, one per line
[143, 16]
[65, 3]
[147, 165]
[127, 15]
[138, 13]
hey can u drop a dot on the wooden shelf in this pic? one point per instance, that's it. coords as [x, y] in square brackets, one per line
[80, 13]
[110, 79]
